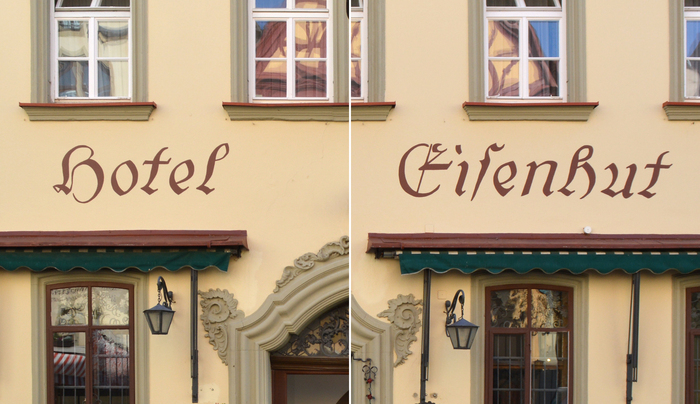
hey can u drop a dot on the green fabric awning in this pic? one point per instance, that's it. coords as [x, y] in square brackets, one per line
[551, 261]
[115, 259]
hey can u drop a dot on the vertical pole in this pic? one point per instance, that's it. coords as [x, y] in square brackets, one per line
[194, 353]
[425, 341]
[633, 349]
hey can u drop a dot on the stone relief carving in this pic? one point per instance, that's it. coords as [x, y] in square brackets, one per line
[403, 314]
[217, 307]
[308, 260]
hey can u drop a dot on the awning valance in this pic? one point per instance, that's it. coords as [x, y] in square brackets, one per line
[549, 262]
[120, 250]
[117, 260]
[548, 253]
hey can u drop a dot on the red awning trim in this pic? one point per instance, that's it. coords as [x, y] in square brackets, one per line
[531, 241]
[125, 238]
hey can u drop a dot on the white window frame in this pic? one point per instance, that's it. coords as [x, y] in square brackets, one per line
[524, 14]
[290, 15]
[359, 14]
[689, 14]
[93, 15]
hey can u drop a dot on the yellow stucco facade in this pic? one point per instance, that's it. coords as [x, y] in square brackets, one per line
[410, 176]
[284, 183]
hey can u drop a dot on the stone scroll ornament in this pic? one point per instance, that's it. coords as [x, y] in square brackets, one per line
[217, 307]
[308, 260]
[403, 314]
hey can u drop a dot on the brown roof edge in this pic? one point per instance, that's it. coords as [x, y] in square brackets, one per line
[531, 241]
[126, 238]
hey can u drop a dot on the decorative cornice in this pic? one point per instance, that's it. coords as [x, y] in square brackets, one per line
[102, 111]
[325, 112]
[217, 307]
[371, 111]
[562, 111]
[403, 314]
[308, 260]
[682, 111]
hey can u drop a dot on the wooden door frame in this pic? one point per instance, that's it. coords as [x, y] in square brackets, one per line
[282, 366]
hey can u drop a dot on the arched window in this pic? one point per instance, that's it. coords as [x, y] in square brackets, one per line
[529, 345]
[90, 339]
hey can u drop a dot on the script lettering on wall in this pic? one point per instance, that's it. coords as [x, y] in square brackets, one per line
[413, 169]
[180, 174]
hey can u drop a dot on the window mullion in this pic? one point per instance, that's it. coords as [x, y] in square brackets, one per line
[524, 62]
[88, 349]
[291, 58]
[92, 64]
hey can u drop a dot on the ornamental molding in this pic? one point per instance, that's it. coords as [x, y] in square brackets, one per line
[403, 314]
[218, 306]
[309, 260]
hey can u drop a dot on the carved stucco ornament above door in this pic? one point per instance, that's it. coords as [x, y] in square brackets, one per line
[217, 307]
[403, 313]
[308, 260]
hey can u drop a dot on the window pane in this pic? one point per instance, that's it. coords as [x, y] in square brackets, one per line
[550, 308]
[311, 79]
[544, 39]
[509, 308]
[75, 3]
[270, 39]
[110, 366]
[356, 3]
[356, 39]
[73, 79]
[508, 369]
[310, 39]
[692, 78]
[503, 38]
[500, 3]
[271, 3]
[540, 3]
[73, 38]
[504, 78]
[270, 79]
[113, 79]
[113, 39]
[69, 306]
[356, 76]
[695, 310]
[692, 3]
[692, 38]
[115, 3]
[310, 4]
[69, 367]
[110, 306]
[549, 367]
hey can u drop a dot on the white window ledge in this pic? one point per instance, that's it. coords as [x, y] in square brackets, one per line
[97, 111]
[682, 111]
[371, 111]
[293, 111]
[530, 111]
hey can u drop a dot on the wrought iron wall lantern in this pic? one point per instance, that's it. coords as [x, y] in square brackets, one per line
[461, 332]
[160, 316]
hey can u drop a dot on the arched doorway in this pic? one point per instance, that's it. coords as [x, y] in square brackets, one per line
[312, 367]
[316, 284]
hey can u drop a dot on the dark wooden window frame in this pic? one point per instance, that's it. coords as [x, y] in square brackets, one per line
[490, 331]
[282, 366]
[690, 334]
[87, 329]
